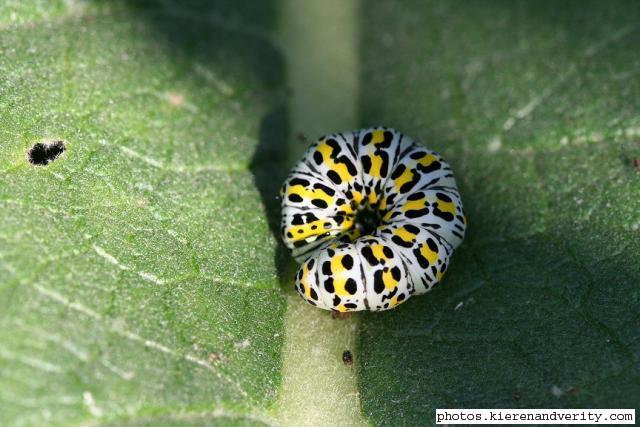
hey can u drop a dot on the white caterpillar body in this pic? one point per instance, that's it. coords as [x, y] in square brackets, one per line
[410, 189]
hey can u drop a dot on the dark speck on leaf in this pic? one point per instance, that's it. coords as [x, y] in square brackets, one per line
[347, 357]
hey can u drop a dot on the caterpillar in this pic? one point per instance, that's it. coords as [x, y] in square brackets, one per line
[372, 217]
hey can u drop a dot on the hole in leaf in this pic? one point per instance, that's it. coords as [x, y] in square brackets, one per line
[43, 153]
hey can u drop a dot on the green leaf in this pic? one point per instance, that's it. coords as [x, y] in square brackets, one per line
[535, 104]
[141, 277]
[138, 276]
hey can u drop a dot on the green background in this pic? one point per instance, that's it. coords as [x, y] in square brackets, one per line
[141, 276]
[549, 274]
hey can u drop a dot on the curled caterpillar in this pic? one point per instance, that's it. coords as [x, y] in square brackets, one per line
[373, 217]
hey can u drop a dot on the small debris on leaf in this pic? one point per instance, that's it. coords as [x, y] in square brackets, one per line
[175, 99]
[242, 344]
[340, 315]
[215, 356]
[347, 357]
[556, 391]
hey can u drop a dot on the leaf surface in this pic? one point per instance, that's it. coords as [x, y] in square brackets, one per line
[140, 272]
[137, 270]
[535, 105]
